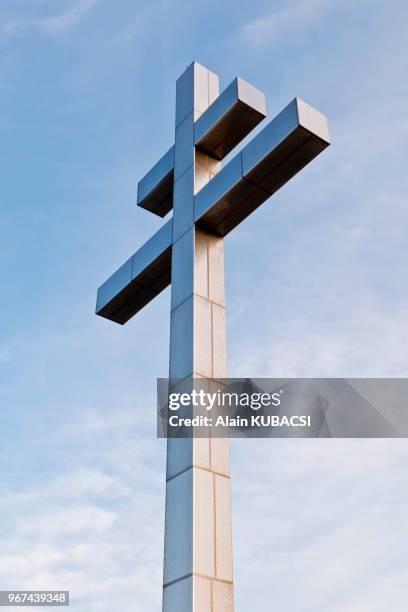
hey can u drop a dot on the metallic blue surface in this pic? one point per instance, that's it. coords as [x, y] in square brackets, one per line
[155, 190]
[152, 249]
[116, 283]
[185, 94]
[269, 138]
[229, 119]
[183, 198]
[139, 280]
[285, 146]
[182, 339]
[184, 147]
[218, 187]
[216, 111]
[182, 260]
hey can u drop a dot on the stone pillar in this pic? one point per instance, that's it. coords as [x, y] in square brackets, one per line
[198, 548]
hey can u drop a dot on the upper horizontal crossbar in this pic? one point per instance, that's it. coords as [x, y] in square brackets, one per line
[231, 117]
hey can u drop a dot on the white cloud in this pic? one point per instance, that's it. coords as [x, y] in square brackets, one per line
[321, 523]
[356, 345]
[86, 531]
[73, 519]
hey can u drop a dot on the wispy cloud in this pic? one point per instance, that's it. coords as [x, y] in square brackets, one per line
[73, 15]
[49, 24]
[317, 348]
[291, 16]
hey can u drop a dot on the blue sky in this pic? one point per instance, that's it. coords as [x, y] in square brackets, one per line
[87, 92]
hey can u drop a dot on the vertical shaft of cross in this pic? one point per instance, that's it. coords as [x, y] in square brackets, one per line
[198, 549]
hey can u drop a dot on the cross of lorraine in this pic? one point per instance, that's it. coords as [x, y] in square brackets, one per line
[208, 200]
